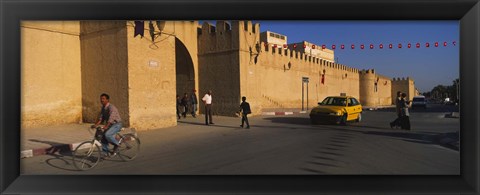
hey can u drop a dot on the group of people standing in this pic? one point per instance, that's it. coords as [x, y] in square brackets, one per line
[403, 116]
[187, 103]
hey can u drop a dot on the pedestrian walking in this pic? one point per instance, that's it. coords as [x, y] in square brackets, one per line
[194, 101]
[396, 122]
[405, 119]
[179, 107]
[245, 110]
[207, 100]
[184, 103]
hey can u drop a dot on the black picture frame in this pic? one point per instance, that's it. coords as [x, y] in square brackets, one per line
[465, 11]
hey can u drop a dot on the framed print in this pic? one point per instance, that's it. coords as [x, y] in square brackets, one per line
[132, 51]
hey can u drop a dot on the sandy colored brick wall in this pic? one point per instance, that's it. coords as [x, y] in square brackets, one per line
[50, 73]
[104, 67]
[151, 69]
[281, 86]
[219, 67]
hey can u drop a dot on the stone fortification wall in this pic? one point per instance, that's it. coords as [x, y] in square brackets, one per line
[375, 89]
[104, 67]
[405, 85]
[50, 73]
[151, 69]
[384, 91]
[281, 78]
[218, 58]
[250, 71]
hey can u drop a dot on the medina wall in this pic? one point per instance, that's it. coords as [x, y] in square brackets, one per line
[50, 73]
[271, 77]
[405, 85]
[152, 83]
[104, 67]
[218, 57]
[375, 89]
[282, 72]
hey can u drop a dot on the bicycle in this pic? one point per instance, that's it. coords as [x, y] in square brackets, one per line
[88, 153]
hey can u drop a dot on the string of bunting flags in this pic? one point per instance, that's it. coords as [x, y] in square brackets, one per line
[371, 46]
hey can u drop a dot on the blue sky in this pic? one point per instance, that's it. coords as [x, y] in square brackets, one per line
[429, 67]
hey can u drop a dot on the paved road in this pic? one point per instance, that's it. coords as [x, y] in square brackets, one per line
[283, 145]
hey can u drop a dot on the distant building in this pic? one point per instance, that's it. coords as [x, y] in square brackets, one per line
[313, 50]
[273, 38]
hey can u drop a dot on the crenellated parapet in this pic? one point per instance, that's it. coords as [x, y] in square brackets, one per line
[278, 54]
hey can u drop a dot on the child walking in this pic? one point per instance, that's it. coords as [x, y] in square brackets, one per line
[245, 110]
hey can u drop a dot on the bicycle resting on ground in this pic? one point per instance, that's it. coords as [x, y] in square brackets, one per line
[88, 153]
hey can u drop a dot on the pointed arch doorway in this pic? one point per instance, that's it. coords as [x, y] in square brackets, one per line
[184, 70]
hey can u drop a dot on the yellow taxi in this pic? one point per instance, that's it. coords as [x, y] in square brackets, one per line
[337, 109]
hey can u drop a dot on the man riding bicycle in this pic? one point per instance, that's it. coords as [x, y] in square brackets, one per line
[110, 115]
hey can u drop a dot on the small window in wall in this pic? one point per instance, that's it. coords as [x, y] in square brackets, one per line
[212, 29]
[253, 28]
[282, 37]
[277, 36]
[272, 35]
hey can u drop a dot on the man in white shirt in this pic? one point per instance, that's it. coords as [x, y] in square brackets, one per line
[207, 100]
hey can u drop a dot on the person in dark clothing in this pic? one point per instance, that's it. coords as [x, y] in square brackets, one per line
[405, 118]
[179, 106]
[245, 110]
[194, 101]
[184, 103]
[396, 122]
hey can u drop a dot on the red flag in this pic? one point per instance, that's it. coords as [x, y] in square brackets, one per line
[445, 44]
[371, 46]
[436, 44]
[381, 46]
[353, 46]
[284, 45]
[333, 46]
[409, 45]
[342, 46]
[275, 45]
[390, 46]
[454, 43]
[323, 46]
[362, 46]
[313, 46]
[294, 45]
[399, 45]
[304, 46]
[418, 45]
[427, 44]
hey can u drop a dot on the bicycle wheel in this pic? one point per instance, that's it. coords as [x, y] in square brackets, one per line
[129, 147]
[86, 155]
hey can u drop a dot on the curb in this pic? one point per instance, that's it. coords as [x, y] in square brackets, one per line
[282, 113]
[50, 150]
[449, 142]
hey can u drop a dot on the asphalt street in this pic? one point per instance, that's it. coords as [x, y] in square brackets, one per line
[279, 145]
